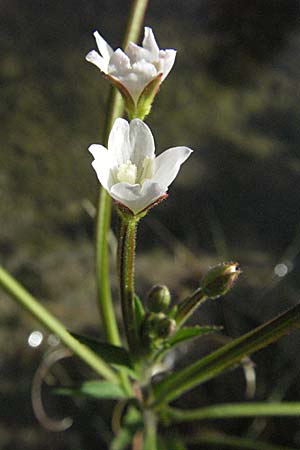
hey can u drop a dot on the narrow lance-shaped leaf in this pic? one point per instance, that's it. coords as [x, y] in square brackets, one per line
[111, 354]
[227, 356]
[93, 388]
[187, 333]
[226, 410]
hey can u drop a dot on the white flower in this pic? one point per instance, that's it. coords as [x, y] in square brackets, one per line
[135, 68]
[129, 171]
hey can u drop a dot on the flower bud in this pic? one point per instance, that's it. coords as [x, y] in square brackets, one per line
[155, 329]
[220, 279]
[165, 328]
[159, 298]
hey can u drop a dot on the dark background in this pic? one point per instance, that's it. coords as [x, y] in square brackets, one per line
[233, 96]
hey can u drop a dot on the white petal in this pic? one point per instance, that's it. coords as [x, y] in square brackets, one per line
[105, 49]
[102, 164]
[136, 79]
[136, 53]
[118, 142]
[141, 143]
[149, 42]
[167, 165]
[119, 63]
[96, 59]
[135, 197]
[166, 61]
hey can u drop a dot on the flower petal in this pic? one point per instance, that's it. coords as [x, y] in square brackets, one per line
[104, 48]
[149, 42]
[118, 142]
[141, 142]
[102, 164]
[135, 197]
[96, 59]
[167, 165]
[166, 61]
[137, 78]
[136, 53]
[119, 63]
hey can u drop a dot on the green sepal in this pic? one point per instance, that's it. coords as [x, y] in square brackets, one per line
[128, 100]
[118, 357]
[187, 333]
[146, 98]
[93, 388]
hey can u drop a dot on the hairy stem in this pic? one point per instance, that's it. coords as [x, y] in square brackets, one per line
[126, 254]
[188, 306]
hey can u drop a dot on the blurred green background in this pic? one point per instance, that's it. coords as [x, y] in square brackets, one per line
[234, 97]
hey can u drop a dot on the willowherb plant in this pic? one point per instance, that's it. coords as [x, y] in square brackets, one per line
[136, 180]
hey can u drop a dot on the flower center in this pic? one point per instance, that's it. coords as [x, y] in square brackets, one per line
[132, 174]
[127, 173]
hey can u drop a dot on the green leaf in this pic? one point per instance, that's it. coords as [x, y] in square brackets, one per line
[187, 333]
[226, 410]
[227, 356]
[95, 389]
[116, 356]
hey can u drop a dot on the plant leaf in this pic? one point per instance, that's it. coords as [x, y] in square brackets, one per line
[95, 389]
[116, 356]
[226, 410]
[187, 333]
[227, 356]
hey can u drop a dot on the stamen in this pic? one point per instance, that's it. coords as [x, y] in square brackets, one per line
[127, 173]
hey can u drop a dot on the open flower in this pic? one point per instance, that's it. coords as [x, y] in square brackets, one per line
[129, 171]
[136, 73]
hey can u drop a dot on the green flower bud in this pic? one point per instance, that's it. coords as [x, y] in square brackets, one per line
[159, 298]
[165, 328]
[155, 329]
[220, 279]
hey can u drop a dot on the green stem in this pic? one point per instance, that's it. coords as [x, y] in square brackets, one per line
[126, 271]
[135, 20]
[24, 298]
[226, 410]
[150, 430]
[188, 306]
